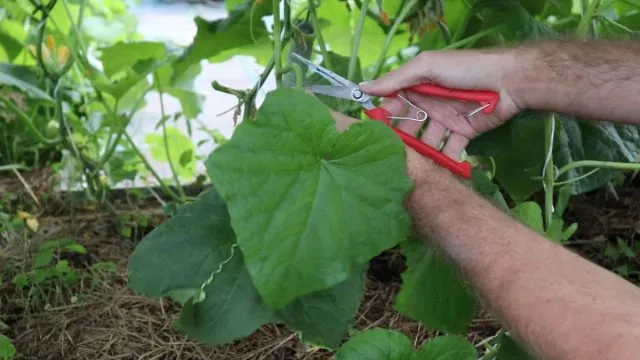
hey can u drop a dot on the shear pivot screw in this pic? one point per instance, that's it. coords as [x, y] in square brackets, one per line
[357, 94]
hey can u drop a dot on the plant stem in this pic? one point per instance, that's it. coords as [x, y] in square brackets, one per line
[165, 140]
[548, 178]
[27, 121]
[571, 181]
[250, 97]
[277, 46]
[13, 167]
[599, 164]
[473, 38]
[153, 172]
[287, 16]
[392, 32]
[75, 27]
[355, 42]
[583, 27]
[299, 75]
[316, 30]
[227, 90]
[107, 154]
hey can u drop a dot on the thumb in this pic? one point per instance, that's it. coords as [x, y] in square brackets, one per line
[412, 73]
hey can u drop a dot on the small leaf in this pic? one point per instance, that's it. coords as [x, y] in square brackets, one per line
[43, 258]
[178, 144]
[448, 347]
[33, 224]
[625, 249]
[531, 214]
[186, 157]
[328, 202]
[378, 344]
[434, 291]
[7, 349]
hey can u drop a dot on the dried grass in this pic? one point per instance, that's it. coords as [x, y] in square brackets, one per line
[112, 322]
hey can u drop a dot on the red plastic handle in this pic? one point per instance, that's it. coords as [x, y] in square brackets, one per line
[483, 97]
[461, 168]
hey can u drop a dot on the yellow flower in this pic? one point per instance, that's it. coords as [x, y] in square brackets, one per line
[54, 57]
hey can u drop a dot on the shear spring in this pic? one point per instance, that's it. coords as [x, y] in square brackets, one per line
[421, 115]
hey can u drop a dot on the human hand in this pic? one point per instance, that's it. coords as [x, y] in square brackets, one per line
[463, 69]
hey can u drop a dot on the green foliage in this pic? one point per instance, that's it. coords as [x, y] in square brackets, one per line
[7, 349]
[386, 344]
[434, 291]
[202, 268]
[241, 32]
[334, 200]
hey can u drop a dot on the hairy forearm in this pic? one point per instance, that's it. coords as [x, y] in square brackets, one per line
[597, 80]
[559, 304]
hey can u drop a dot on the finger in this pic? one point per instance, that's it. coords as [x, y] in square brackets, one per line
[411, 127]
[446, 112]
[411, 73]
[455, 145]
[434, 135]
[395, 106]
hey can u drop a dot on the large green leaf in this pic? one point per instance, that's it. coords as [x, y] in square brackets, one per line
[517, 168]
[379, 344]
[386, 344]
[433, 290]
[241, 32]
[181, 253]
[449, 347]
[324, 316]
[491, 143]
[231, 309]
[24, 79]
[577, 140]
[186, 251]
[308, 204]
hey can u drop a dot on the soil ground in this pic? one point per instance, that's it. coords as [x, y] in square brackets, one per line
[106, 320]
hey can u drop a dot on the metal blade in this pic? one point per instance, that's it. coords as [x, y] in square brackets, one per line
[332, 90]
[332, 77]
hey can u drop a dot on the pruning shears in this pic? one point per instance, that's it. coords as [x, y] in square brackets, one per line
[345, 89]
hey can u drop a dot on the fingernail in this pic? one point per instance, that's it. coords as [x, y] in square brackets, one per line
[365, 83]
